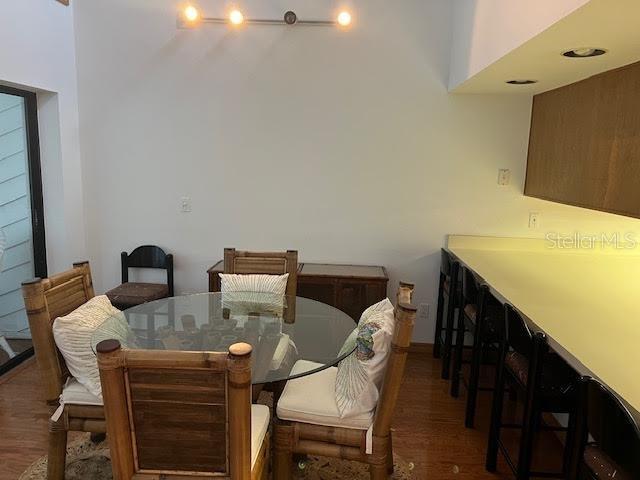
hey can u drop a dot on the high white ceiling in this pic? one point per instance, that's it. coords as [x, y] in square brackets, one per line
[613, 25]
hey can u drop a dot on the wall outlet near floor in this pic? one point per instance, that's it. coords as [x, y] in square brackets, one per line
[534, 220]
[423, 312]
[185, 204]
[504, 176]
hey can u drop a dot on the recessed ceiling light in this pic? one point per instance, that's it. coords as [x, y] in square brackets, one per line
[584, 52]
[521, 82]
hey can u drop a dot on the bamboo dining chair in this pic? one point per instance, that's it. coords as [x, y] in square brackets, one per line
[269, 263]
[45, 300]
[178, 415]
[405, 293]
[332, 437]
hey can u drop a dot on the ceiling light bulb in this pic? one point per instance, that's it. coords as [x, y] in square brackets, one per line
[584, 52]
[191, 13]
[236, 17]
[521, 82]
[344, 19]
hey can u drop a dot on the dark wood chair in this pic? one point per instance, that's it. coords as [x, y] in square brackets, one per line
[349, 443]
[482, 315]
[46, 299]
[129, 294]
[448, 301]
[607, 440]
[179, 415]
[547, 384]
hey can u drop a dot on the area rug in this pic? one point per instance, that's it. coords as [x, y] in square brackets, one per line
[89, 461]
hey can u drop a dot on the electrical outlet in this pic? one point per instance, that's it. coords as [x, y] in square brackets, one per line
[185, 204]
[504, 176]
[423, 312]
[534, 220]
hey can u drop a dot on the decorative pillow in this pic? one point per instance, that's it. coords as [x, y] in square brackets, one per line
[360, 375]
[73, 332]
[244, 294]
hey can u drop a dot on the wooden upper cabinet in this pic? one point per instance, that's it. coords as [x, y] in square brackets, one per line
[584, 145]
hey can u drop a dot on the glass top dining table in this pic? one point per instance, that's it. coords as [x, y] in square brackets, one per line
[281, 330]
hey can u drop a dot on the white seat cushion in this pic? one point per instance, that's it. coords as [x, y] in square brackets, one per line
[311, 399]
[259, 425]
[76, 394]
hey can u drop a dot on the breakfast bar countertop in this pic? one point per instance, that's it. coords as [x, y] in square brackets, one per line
[586, 299]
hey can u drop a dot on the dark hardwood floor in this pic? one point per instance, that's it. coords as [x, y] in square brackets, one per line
[429, 428]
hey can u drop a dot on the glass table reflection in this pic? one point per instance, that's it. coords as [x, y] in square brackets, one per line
[281, 329]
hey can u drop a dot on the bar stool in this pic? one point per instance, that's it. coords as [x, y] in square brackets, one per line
[607, 440]
[548, 385]
[480, 315]
[448, 301]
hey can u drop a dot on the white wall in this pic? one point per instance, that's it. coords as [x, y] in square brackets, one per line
[486, 30]
[343, 145]
[38, 53]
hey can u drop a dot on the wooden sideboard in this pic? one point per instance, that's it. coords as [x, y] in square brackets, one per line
[351, 288]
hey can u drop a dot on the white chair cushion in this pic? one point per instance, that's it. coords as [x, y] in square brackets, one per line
[360, 375]
[74, 393]
[73, 332]
[260, 417]
[243, 294]
[231, 282]
[311, 399]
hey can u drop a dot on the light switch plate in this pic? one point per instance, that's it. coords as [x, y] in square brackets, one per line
[504, 176]
[534, 220]
[185, 204]
[423, 312]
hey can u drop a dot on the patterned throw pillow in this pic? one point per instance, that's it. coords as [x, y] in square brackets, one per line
[360, 375]
[244, 294]
[73, 333]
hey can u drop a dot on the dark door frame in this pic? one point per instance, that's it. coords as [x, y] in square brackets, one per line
[35, 189]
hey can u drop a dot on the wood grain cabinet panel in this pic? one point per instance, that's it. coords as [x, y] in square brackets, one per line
[584, 146]
[351, 288]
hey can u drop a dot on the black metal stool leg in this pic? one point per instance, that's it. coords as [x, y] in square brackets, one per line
[530, 426]
[437, 341]
[448, 344]
[457, 360]
[450, 319]
[491, 462]
[474, 376]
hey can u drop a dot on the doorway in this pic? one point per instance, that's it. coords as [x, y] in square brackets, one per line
[22, 240]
